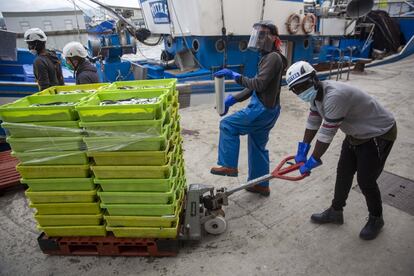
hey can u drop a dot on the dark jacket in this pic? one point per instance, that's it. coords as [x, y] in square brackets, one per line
[267, 82]
[86, 73]
[47, 70]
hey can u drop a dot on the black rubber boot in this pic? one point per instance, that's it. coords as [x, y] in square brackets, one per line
[328, 216]
[372, 228]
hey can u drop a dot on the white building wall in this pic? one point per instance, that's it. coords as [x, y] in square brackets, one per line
[60, 27]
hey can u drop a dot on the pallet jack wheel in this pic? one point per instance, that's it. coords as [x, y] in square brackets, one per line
[216, 226]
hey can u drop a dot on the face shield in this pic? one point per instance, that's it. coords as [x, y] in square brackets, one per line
[261, 39]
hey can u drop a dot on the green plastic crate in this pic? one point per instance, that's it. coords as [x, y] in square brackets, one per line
[61, 196]
[132, 142]
[144, 221]
[145, 232]
[140, 197]
[22, 111]
[68, 220]
[87, 88]
[58, 171]
[91, 111]
[66, 208]
[126, 128]
[145, 85]
[140, 172]
[121, 158]
[52, 158]
[60, 184]
[43, 129]
[38, 144]
[143, 209]
[74, 231]
[140, 185]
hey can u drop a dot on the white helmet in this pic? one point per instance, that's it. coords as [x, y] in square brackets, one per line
[34, 34]
[74, 49]
[299, 72]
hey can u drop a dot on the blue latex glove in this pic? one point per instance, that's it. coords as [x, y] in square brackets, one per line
[309, 165]
[227, 73]
[229, 101]
[302, 154]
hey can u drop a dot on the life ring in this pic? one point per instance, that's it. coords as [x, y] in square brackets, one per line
[293, 23]
[309, 23]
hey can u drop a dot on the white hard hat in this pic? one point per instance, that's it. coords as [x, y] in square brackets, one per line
[299, 72]
[74, 49]
[34, 34]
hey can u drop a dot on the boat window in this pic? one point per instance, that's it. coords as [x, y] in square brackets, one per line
[196, 45]
[220, 45]
[243, 45]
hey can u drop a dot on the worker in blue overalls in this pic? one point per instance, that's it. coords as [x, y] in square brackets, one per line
[259, 117]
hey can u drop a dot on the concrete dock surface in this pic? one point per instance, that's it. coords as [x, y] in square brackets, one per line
[265, 236]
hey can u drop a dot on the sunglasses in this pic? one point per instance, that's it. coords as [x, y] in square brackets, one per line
[300, 87]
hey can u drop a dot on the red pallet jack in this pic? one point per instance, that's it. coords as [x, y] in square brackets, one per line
[202, 213]
[206, 211]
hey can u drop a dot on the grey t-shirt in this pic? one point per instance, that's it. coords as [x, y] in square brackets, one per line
[348, 108]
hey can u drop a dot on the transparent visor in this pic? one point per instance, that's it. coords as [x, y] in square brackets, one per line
[260, 40]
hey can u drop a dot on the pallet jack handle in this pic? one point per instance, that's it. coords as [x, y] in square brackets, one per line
[280, 172]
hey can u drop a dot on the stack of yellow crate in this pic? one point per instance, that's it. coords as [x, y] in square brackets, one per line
[44, 133]
[133, 138]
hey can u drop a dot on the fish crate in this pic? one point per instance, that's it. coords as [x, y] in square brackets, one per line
[140, 172]
[144, 209]
[52, 158]
[73, 89]
[68, 220]
[91, 110]
[141, 185]
[67, 208]
[140, 197]
[61, 196]
[45, 108]
[43, 129]
[74, 231]
[54, 171]
[146, 232]
[131, 142]
[40, 144]
[145, 85]
[127, 128]
[166, 221]
[60, 184]
[138, 158]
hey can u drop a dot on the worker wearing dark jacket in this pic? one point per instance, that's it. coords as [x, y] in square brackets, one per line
[259, 117]
[370, 134]
[46, 66]
[75, 55]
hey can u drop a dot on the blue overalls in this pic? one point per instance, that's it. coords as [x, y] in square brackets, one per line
[255, 120]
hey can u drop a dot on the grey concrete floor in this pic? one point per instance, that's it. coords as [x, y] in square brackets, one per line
[265, 236]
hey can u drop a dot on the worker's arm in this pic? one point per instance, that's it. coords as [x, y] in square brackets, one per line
[41, 74]
[269, 66]
[243, 95]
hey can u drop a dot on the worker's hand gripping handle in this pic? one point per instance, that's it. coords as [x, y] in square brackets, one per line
[280, 172]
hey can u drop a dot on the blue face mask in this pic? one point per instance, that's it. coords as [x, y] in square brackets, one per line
[308, 95]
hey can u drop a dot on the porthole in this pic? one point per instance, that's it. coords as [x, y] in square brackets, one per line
[220, 45]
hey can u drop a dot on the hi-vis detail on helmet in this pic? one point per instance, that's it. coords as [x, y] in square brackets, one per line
[298, 72]
[34, 34]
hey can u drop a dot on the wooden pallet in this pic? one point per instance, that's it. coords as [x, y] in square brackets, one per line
[108, 246]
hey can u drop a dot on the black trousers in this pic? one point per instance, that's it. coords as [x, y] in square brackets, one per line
[367, 161]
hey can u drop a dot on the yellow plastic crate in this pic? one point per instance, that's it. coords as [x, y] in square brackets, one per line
[52, 171]
[67, 208]
[61, 196]
[74, 231]
[68, 220]
[69, 89]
